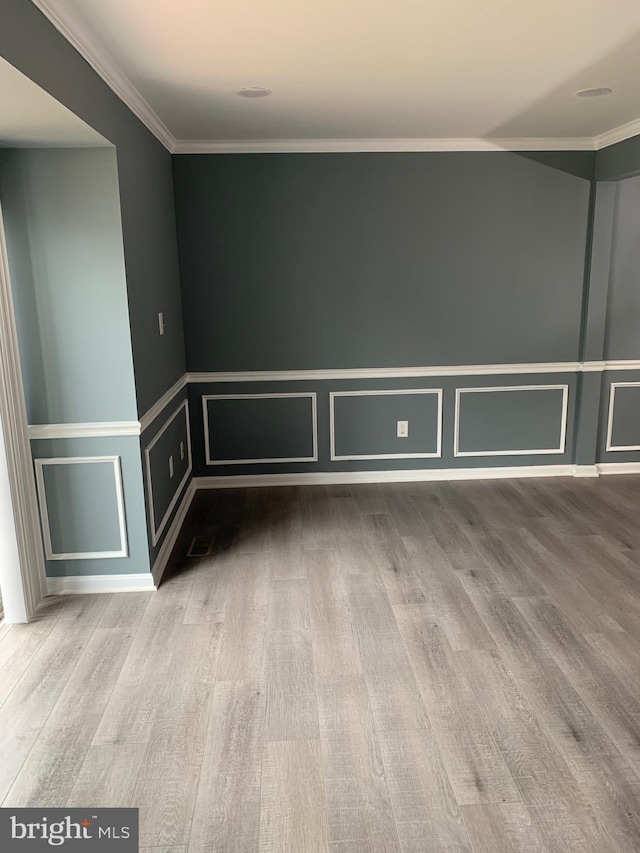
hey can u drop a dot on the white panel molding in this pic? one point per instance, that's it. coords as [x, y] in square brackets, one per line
[44, 512]
[276, 460]
[103, 63]
[171, 537]
[87, 430]
[156, 531]
[154, 411]
[372, 145]
[407, 392]
[610, 448]
[87, 584]
[499, 388]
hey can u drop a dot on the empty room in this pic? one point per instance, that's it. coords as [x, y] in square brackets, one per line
[320, 426]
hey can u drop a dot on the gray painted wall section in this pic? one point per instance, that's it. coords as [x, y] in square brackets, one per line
[260, 428]
[379, 260]
[623, 315]
[85, 515]
[447, 460]
[618, 161]
[164, 490]
[367, 424]
[64, 237]
[30, 43]
[511, 421]
[82, 504]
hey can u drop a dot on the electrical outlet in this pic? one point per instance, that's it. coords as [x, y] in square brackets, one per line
[171, 466]
[403, 429]
[182, 450]
[161, 322]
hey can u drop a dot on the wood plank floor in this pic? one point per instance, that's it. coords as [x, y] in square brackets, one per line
[407, 667]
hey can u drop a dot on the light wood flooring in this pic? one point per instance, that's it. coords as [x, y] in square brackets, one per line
[420, 667]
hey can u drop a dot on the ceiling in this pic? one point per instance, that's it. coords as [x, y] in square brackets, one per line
[403, 70]
[30, 117]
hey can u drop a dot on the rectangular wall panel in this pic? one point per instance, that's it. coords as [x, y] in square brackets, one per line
[363, 424]
[623, 421]
[511, 420]
[168, 466]
[82, 507]
[253, 428]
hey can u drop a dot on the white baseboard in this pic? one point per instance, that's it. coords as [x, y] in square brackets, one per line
[618, 468]
[338, 478]
[585, 470]
[164, 553]
[79, 584]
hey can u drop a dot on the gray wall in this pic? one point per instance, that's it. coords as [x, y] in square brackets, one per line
[64, 237]
[623, 310]
[379, 260]
[30, 43]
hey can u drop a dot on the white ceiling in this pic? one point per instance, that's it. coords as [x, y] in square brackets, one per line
[365, 69]
[31, 117]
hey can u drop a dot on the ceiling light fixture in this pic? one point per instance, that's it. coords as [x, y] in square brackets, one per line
[597, 92]
[254, 92]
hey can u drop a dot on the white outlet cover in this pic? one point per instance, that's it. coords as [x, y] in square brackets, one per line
[171, 466]
[182, 450]
[403, 429]
[161, 322]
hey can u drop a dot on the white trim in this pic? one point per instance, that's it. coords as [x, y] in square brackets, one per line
[315, 146]
[412, 372]
[169, 541]
[103, 63]
[407, 392]
[44, 512]
[88, 430]
[617, 134]
[152, 413]
[389, 372]
[585, 470]
[24, 582]
[87, 584]
[538, 452]
[276, 460]
[156, 532]
[605, 468]
[427, 475]
[609, 448]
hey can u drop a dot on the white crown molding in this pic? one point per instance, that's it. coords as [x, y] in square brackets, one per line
[617, 134]
[103, 63]
[316, 146]
[87, 584]
[87, 430]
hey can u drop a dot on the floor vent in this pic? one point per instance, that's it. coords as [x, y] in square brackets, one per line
[201, 546]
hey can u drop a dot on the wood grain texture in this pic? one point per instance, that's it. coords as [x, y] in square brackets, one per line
[400, 667]
[293, 814]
